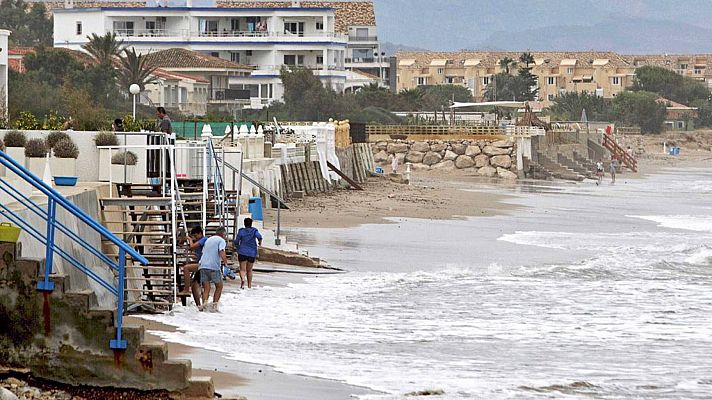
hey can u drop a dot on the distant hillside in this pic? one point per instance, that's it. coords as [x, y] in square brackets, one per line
[392, 48]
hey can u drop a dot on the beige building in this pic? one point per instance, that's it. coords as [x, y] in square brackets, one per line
[696, 66]
[602, 73]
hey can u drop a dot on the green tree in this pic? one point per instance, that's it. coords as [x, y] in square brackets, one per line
[505, 87]
[669, 85]
[374, 95]
[505, 63]
[570, 105]
[411, 99]
[135, 69]
[525, 72]
[527, 59]
[437, 96]
[639, 109]
[104, 49]
[30, 25]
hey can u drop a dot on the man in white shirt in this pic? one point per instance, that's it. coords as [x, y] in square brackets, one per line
[211, 263]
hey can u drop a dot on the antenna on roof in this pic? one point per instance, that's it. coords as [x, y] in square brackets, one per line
[68, 3]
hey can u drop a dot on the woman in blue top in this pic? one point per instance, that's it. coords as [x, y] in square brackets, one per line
[246, 245]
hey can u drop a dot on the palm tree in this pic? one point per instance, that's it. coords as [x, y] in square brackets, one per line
[104, 49]
[526, 58]
[135, 69]
[505, 63]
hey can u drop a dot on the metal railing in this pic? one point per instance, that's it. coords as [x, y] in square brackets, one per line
[54, 199]
[363, 38]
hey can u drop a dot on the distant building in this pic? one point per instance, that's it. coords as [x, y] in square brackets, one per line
[696, 66]
[601, 73]
[4, 34]
[319, 35]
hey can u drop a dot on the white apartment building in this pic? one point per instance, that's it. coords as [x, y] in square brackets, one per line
[265, 38]
[4, 34]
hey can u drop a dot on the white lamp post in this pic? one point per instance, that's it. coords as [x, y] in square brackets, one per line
[134, 89]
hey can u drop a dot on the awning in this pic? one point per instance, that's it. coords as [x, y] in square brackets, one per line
[438, 63]
[406, 62]
[568, 62]
[600, 62]
[472, 62]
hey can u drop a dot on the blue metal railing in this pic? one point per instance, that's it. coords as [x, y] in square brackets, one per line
[54, 199]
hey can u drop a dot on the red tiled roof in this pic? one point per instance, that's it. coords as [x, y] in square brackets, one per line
[162, 73]
[182, 58]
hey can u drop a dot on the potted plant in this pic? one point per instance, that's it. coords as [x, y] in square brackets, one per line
[105, 139]
[118, 160]
[64, 162]
[35, 156]
[54, 137]
[15, 142]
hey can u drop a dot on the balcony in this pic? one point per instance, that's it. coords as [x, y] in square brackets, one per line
[125, 33]
[363, 38]
[236, 35]
[225, 95]
[277, 68]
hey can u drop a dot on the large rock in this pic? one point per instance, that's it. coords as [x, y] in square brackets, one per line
[506, 174]
[415, 157]
[473, 150]
[397, 148]
[496, 151]
[401, 158]
[450, 156]
[6, 394]
[501, 161]
[382, 146]
[438, 147]
[381, 157]
[419, 167]
[447, 165]
[431, 158]
[459, 148]
[420, 146]
[481, 160]
[503, 143]
[463, 162]
[487, 171]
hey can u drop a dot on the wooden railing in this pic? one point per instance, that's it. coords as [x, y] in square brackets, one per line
[628, 130]
[619, 153]
[433, 130]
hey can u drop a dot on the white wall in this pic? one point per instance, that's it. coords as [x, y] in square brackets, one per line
[65, 34]
[3, 72]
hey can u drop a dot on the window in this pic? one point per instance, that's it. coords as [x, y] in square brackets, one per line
[79, 27]
[291, 59]
[486, 80]
[319, 26]
[208, 27]
[551, 80]
[248, 53]
[124, 28]
[569, 70]
[362, 32]
[215, 54]
[698, 71]
[616, 80]
[151, 27]
[320, 60]
[295, 28]
[683, 66]
[440, 71]
[422, 80]
[550, 97]
[234, 24]
[234, 56]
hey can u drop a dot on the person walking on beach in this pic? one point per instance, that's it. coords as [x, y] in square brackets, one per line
[246, 245]
[196, 241]
[210, 267]
[599, 172]
[614, 165]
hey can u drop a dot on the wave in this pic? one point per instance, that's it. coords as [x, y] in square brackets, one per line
[697, 223]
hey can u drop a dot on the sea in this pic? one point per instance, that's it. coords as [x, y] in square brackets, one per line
[581, 291]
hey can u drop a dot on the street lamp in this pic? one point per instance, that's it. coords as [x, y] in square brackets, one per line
[134, 89]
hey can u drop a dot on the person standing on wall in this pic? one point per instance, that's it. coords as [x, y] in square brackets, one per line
[165, 126]
[246, 246]
[210, 267]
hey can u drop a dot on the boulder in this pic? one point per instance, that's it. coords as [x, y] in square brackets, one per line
[401, 158]
[481, 160]
[431, 158]
[397, 148]
[503, 143]
[381, 157]
[495, 151]
[382, 146]
[473, 150]
[415, 157]
[438, 147]
[463, 162]
[420, 146]
[6, 394]
[503, 161]
[487, 171]
[419, 167]
[459, 148]
[506, 174]
[449, 155]
[447, 165]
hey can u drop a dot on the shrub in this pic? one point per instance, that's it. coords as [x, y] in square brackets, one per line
[106, 139]
[54, 137]
[118, 158]
[26, 121]
[66, 148]
[15, 139]
[53, 121]
[36, 148]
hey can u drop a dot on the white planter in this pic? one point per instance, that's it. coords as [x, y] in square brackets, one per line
[63, 166]
[104, 164]
[117, 173]
[17, 154]
[36, 165]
